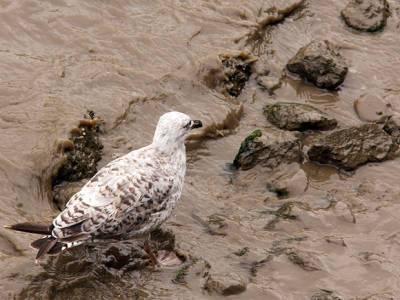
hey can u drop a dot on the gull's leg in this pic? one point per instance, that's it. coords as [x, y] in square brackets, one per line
[150, 252]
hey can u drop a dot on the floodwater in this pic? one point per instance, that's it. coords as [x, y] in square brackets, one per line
[131, 61]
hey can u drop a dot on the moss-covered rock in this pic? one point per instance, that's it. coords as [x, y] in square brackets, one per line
[351, 147]
[268, 150]
[366, 15]
[297, 116]
[320, 63]
[245, 145]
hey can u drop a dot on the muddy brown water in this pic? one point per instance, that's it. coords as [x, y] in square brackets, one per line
[131, 61]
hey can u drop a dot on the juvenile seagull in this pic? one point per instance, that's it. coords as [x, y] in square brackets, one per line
[129, 197]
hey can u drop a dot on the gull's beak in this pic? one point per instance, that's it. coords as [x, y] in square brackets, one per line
[196, 124]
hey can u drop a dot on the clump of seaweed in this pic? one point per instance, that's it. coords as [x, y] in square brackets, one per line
[237, 71]
[83, 150]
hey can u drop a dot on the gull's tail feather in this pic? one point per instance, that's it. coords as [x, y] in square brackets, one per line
[31, 228]
[47, 245]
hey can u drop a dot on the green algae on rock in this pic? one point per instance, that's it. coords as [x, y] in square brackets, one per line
[297, 116]
[320, 63]
[245, 145]
[351, 147]
[268, 151]
[366, 15]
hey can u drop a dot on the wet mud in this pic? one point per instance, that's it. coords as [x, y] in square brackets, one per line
[276, 226]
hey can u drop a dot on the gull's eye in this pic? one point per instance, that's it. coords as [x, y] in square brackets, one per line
[187, 126]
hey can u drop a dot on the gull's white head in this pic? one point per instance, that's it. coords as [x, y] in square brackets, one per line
[172, 129]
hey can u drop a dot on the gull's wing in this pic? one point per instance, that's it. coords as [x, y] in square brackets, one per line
[118, 188]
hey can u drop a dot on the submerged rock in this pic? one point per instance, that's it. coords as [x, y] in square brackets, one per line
[320, 63]
[283, 212]
[371, 108]
[192, 273]
[215, 224]
[64, 191]
[269, 82]
[268, 150]
[392, 127]
[225, 284]
[102, 269]
[366, 15]
[280, 190]
[85, 269]
[351, 147]
[304, 259]
[325, 295]
[296, 116]
[288, 182]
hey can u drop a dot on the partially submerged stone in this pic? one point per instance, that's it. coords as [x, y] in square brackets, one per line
[289, 182]
[392, 127]
[280, 190]
[297, 116]
[371, 108]
[225, 284]
[320, 63]
[366, 15]
[268, 150]
[351, 147]
[269, 82]
[192, 273]
[64, 191]
[304, 259]
[101, 263]
[283, 212]
[325, 295]
[215, 224]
